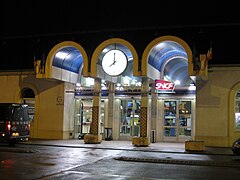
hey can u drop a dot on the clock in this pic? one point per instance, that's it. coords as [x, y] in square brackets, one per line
[114, 62]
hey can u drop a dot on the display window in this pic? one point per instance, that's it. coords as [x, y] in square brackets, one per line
[237, 111]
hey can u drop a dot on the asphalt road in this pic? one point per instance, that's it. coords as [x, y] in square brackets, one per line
[49, 162]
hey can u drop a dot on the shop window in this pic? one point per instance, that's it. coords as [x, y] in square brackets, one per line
[237, 110]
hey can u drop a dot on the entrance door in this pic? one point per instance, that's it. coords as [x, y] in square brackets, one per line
[83, 117]
[130, 119]
[177, 120]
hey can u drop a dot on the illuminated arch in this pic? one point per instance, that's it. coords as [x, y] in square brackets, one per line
[59, 47]
[152, 44]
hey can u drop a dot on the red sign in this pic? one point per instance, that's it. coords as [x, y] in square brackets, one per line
[161, 85]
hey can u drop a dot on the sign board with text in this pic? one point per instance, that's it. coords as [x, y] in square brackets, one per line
[162, 86]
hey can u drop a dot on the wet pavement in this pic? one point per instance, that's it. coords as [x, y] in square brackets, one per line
[47, 156]
[164, 147]
[160, 152]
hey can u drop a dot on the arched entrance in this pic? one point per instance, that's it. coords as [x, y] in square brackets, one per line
[166, 61]
[28, 97]
[66, 65]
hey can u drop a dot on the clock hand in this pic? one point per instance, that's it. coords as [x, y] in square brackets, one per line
[114, 61]
[112, 64]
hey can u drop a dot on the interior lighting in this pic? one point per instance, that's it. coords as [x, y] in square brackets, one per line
[177, 82]
[133, 82]
[61, 55]
[104, 87]
[90, 81]
[126, 80]
[192, 87]
[138, 84]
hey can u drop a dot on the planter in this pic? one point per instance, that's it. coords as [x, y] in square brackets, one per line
[194, 145]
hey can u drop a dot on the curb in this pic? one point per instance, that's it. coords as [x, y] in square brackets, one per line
[235, 164]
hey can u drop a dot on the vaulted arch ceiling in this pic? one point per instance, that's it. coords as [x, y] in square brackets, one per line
[68, 58]
[67, 64]
[170, 59]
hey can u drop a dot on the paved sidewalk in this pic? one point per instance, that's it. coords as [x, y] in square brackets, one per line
[160, 152]
[167, 147]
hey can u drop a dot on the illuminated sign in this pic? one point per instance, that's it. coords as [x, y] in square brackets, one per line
[162, 86]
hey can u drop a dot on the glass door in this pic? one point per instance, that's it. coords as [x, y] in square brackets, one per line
[86, 115]
[130, 119]
[83, 117]
[170, 114]
[77, 118]
[177, 120]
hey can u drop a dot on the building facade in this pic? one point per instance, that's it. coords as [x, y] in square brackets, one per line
[163, 94]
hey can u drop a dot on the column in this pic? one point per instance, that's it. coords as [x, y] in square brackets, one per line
[144, 139]
[110, 106]
[110, 114]
[94, 136]
[154, 114]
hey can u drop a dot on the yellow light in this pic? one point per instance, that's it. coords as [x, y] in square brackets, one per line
[15, 134]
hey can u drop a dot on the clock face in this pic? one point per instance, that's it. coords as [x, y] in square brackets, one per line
[114, 62]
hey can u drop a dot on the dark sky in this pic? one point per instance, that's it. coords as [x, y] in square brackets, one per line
[24, 23]
[58, 16]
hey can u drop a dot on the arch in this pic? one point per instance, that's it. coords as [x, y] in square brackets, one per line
[232, 134]
[27, 93]
[104, 44]
[152, 44]
[27, 85]
[60, 46]
[34, 115]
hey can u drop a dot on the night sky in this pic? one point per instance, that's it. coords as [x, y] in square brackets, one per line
[23, 23]
[52, 16]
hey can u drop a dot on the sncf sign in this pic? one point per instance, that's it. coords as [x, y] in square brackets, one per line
[161, 85]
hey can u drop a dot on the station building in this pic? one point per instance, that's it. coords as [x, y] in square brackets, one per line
[165, 94]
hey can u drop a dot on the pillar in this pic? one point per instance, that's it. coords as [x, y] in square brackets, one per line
[110, 115]
[154, 114]
[94, 137]
[144, 139]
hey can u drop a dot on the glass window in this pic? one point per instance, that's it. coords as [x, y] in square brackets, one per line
[130, 117]
[237, 110]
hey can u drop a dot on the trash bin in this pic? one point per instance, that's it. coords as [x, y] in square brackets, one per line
[108, 134]
[153, 136]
